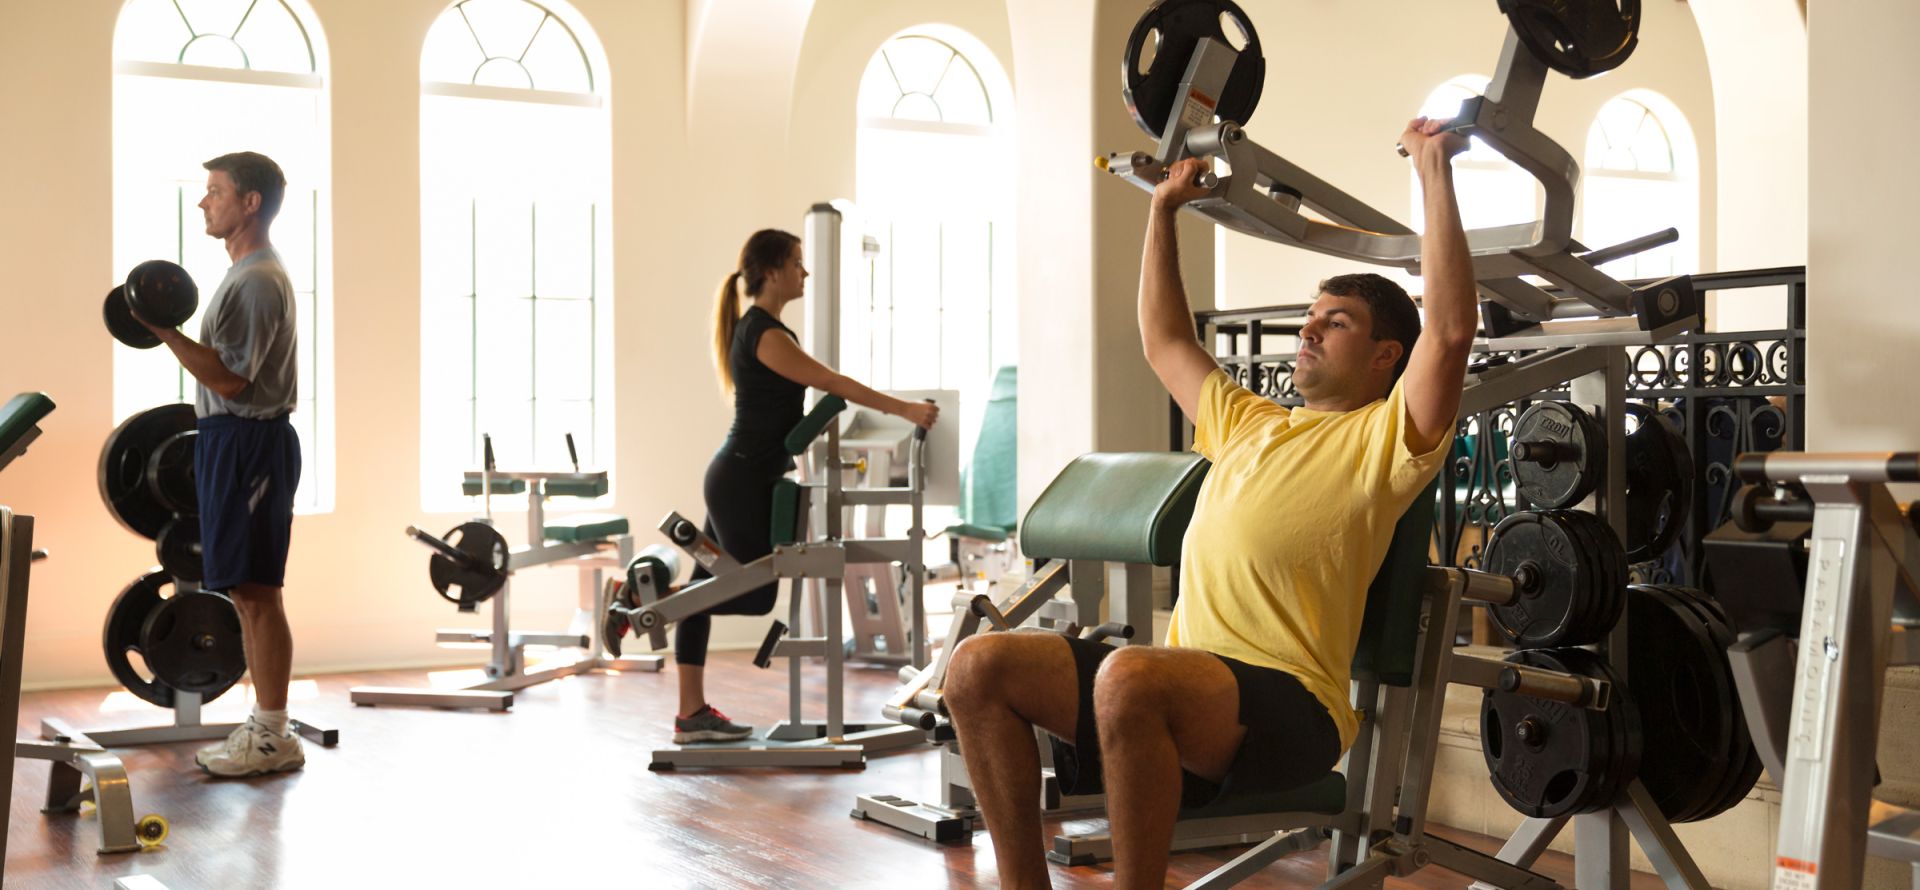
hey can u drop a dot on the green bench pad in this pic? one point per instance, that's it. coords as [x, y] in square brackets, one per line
[786, 512]
[978, 532]
[1391, 622]
[471, 487]
[20, 414]
[584, 527]
[577, 488]
[1326, 795]
[816, 421]
[1129, 507]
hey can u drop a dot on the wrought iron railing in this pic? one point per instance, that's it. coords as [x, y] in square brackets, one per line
[1728, 391]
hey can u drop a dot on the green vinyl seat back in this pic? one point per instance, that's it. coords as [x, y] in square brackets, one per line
[1130, 507]
[814, 423]
[989, 500]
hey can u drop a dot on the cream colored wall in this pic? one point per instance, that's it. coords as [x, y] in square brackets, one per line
[1343, 78]
[1862, 327]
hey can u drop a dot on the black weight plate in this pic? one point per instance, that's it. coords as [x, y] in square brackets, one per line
[1152, 95]
[1719, 681]
[1570, 471]
[1581, 38]
[124, 486]
[170, 473]
[126, 618]
[1683, 690]
[1628, 733]
[1569, 759]
[1743, 759]
[469, 584]
[1659, 484]
[192, 643]
[163, 293]
[1551, 611]
[178, 548]
[121, 323]
[1609, 564]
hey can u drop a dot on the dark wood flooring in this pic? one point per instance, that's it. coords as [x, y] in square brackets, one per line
[555, 793]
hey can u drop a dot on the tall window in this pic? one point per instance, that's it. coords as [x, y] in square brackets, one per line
[515, 246]
[1493, 191]
[195, 79]
[938, 310]
[1641, 176]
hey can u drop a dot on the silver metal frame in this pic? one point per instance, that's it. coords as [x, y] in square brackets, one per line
[506, 668]
[799, 741]
[1263, 195]
[1863, 572]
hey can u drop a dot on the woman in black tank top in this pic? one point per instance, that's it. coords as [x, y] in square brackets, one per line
[760, 362]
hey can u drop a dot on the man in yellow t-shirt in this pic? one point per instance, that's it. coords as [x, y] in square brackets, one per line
[1251, 692]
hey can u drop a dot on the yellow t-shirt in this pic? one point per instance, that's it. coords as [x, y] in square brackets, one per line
[1290, 526]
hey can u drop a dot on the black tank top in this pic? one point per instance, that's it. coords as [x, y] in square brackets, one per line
[766, 406]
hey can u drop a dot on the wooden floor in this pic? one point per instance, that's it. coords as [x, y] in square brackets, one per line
[555, 793]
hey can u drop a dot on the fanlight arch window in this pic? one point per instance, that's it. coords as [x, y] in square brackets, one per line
[516, 309]
[1641, 176]
[217, 77]
[938, 303]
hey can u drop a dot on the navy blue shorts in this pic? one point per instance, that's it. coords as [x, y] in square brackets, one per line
[245, 473]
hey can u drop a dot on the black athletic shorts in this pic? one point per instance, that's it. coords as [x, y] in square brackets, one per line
[1291, 740]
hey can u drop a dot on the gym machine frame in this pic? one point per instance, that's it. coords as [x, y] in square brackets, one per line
[798, 741]
[1863, 574]
[1578, 338]
[506, 668]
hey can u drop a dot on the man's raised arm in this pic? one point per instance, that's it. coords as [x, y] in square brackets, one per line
[1166, 321]
[1436, 372]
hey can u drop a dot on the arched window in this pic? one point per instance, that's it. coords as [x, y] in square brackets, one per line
[1492, 191]
[193, 80]
[1641, 175]
[935, 113]
[515, 242]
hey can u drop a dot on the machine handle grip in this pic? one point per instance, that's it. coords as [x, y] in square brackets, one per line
[573, 455]
[486, 443]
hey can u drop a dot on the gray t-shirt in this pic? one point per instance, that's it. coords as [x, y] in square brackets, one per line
[251, 324]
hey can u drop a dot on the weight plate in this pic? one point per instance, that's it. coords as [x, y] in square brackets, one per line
[1579, 39]
[124, 465]
[170, 473]
[126, 618]
[1743, 765]
[1556, 454]
[178, 548]
[1659, 484]
[469, 583]
[1608, 562]
[121, 323]
[1685, 694]
[1559, 580]
[163, 293]
[191, 642]
[1548, 759]
[1160, 48]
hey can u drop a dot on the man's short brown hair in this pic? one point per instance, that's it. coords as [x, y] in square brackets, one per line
[1393, 312]
[254, 172]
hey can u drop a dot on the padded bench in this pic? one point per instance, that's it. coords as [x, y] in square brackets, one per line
[1122, 508]
[19, 420]
[584, 527]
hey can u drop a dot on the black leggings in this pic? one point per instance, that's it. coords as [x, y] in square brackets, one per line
[739, 492]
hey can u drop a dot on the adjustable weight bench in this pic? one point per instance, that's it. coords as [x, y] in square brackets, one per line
[1106, 521]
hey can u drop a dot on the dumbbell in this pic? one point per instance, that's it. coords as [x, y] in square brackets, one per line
[157, 290]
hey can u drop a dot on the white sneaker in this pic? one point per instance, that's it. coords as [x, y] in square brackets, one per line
[201, 756]
[253, 751]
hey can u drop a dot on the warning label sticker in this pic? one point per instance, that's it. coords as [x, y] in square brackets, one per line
[1793, 874]
[1198, 112]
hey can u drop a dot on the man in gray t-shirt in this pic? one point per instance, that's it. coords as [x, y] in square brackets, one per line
[246, 458]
